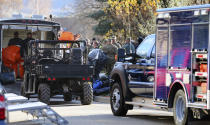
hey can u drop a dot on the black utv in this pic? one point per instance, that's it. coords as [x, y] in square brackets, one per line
[55, 68]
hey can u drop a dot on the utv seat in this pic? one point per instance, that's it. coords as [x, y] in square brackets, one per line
[47, 58]
[47, 54]
[76, 56]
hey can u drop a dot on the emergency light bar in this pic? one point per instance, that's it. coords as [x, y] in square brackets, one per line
[163, 15]
[201, 12]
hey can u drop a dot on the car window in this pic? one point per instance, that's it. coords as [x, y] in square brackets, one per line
[200, 39]
[180, 46]
[146, 46]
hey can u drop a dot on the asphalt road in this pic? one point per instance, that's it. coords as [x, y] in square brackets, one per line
[95, 114]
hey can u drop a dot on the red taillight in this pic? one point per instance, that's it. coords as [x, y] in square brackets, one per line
[49, 79]
[88, 78]
[53, 79]
[1, 98]
[2, 113]
[2, 107]
[83, 78]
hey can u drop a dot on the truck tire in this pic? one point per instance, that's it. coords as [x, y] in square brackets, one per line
[67, 97]
[87, 97]
[44, 93]
[117, 102]
[180, 111]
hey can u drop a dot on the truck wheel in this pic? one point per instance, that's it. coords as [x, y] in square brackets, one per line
[87, 97]
[117, 101]
[44, 93]
[67, 97]
[180, 111]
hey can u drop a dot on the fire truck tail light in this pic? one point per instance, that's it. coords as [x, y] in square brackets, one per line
[2, 108]
[2, 113]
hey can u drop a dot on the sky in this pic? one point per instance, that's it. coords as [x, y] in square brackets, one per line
[58, 7]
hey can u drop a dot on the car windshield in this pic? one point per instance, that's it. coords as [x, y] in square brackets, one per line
[146, 46]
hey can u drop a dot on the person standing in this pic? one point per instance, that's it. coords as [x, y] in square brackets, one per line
[129, 47]
[115, 43]
[16, 40]
[110, 52]
[95, 45]
[24, 47]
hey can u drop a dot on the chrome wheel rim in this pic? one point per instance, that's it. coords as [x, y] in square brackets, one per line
[116, 99]
[180, 109]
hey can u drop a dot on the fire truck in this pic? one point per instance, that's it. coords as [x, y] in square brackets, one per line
[178, 79]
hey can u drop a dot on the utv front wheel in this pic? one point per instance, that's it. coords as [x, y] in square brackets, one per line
[117, 102]
[87, 95]
[180, 111]
[44, 93]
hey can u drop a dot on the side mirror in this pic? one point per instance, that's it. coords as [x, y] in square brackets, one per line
[143, 61]
[121, 55]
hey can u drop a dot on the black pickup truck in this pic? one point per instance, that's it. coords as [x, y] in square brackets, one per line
[57, 67]
[133, 76]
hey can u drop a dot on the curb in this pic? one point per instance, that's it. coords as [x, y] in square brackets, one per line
[102, 99]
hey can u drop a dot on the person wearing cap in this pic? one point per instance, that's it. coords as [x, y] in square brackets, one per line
[110, 51]
[16, 40]
[24, 47]
[115, 43]
[129, 47]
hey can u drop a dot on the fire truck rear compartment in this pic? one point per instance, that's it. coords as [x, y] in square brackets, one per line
[199, 74]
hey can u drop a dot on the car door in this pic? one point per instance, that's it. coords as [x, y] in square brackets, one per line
[141, 74]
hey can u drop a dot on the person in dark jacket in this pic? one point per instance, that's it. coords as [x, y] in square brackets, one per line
[110, 51]
[16, 40]
[115, 43]
[24, 47]
[129, 47]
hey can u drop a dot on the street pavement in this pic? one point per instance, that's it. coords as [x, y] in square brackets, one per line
[95, 114]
